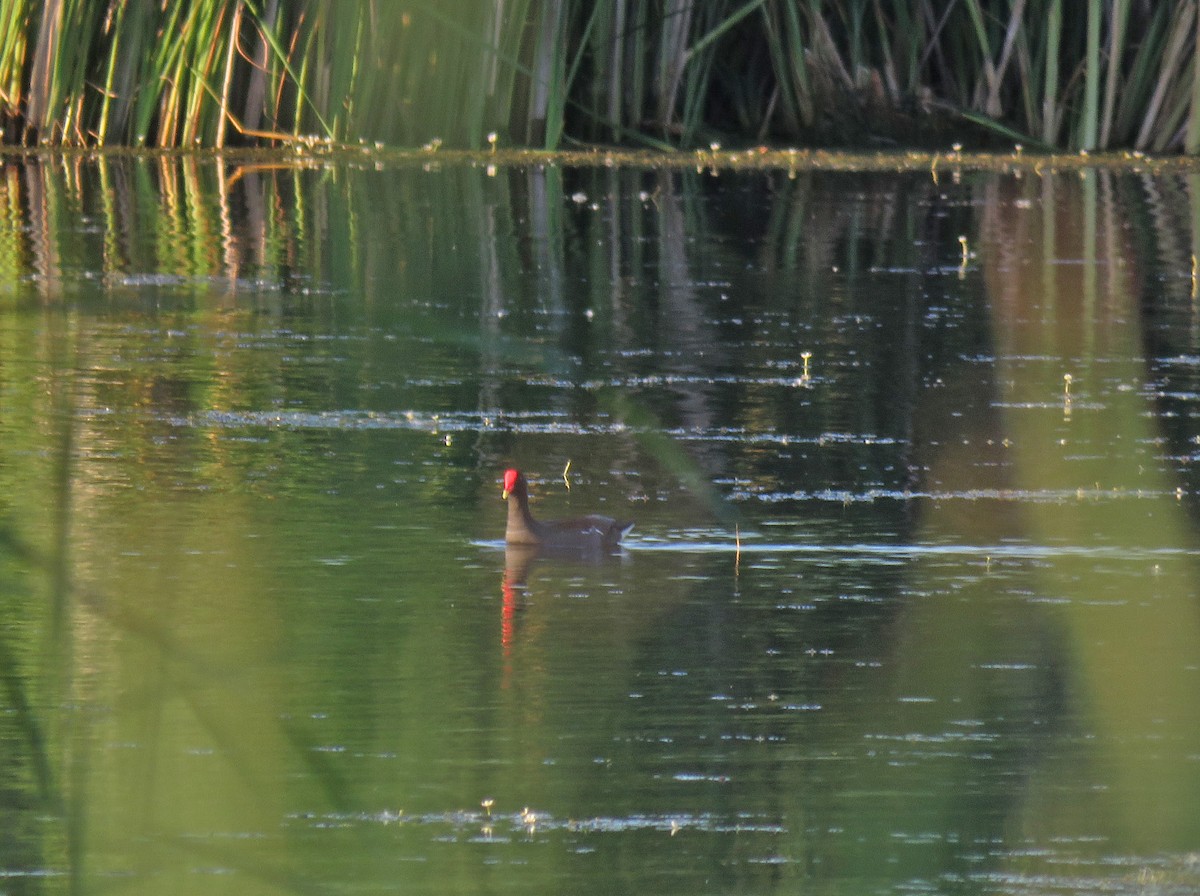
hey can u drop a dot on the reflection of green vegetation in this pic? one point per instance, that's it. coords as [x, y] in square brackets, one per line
[265, 633]
[1126, 715]
[31, 795]
[1130, 650]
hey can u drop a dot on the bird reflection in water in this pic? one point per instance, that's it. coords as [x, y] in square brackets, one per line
[519, 560]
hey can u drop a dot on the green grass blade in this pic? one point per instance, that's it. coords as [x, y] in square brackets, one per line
[1191, 140]
[1116, 50]
[723, 26]
[1050, 97]
[284, 61]
[1091, 79]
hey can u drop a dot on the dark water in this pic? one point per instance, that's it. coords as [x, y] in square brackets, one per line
[905, 610]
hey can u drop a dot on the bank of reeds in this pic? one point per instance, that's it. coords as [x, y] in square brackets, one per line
[1064, 74]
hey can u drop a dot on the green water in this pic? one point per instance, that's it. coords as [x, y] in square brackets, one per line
[905, 610]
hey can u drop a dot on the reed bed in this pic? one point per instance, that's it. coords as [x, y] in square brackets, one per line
[1076, 75]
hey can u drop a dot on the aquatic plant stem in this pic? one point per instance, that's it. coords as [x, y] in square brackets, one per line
[1050, 84]
[1191, 141]
[1091, 79]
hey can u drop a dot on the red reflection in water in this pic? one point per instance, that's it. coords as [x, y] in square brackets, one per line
[508, 612]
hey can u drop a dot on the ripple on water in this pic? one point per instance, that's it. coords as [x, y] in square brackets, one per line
[456, 822]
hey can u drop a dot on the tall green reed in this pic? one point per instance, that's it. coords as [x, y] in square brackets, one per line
[1099, 75]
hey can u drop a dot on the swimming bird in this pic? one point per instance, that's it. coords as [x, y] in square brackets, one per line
[591, 532]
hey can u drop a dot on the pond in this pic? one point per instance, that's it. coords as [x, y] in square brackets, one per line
[911, 602]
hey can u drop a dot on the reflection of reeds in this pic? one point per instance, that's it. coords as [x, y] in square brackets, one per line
[230, 239]
[43, 764]
[499, 248]
[1082, 76]
[1128, 655]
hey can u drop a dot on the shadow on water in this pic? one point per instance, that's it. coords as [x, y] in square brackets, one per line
[910, 604]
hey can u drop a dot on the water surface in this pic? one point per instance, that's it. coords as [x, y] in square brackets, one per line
[910, 606]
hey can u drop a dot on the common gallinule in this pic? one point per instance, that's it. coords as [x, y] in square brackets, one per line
[590, 532]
